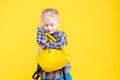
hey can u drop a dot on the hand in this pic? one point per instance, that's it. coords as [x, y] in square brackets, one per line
[40, 48]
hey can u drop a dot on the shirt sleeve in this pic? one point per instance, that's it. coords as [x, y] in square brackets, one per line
[41, 38]
[60, 40]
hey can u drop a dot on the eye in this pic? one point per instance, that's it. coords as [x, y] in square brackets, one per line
[52, 24]
[46, 25]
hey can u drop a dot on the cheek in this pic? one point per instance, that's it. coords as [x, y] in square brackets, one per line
[55, 27]
[45, 28]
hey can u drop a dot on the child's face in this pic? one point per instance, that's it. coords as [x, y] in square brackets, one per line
[50, 25]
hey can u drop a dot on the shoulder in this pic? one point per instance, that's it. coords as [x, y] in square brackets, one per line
[40, 28]
[61, 33]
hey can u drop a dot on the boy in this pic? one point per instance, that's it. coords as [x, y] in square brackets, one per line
[50, 22]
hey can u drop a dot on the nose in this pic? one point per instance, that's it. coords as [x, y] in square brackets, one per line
[49, 27]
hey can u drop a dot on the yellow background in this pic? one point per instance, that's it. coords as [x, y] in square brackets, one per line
[92, 28]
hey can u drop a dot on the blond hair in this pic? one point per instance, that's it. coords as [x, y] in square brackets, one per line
[49, 13]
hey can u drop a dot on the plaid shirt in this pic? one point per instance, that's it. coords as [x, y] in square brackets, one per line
[61, 40]
[60, 37]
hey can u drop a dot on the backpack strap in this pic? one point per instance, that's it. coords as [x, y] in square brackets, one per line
[64, 76]
[36, 73]
[50, 37]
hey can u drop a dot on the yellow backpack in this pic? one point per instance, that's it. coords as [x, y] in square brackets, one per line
[52, 59]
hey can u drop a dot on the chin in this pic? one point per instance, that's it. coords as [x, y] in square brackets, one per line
[50, 32]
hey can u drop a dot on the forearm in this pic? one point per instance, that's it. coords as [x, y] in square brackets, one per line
[54, 45]
[41, 38]
[60, 40]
